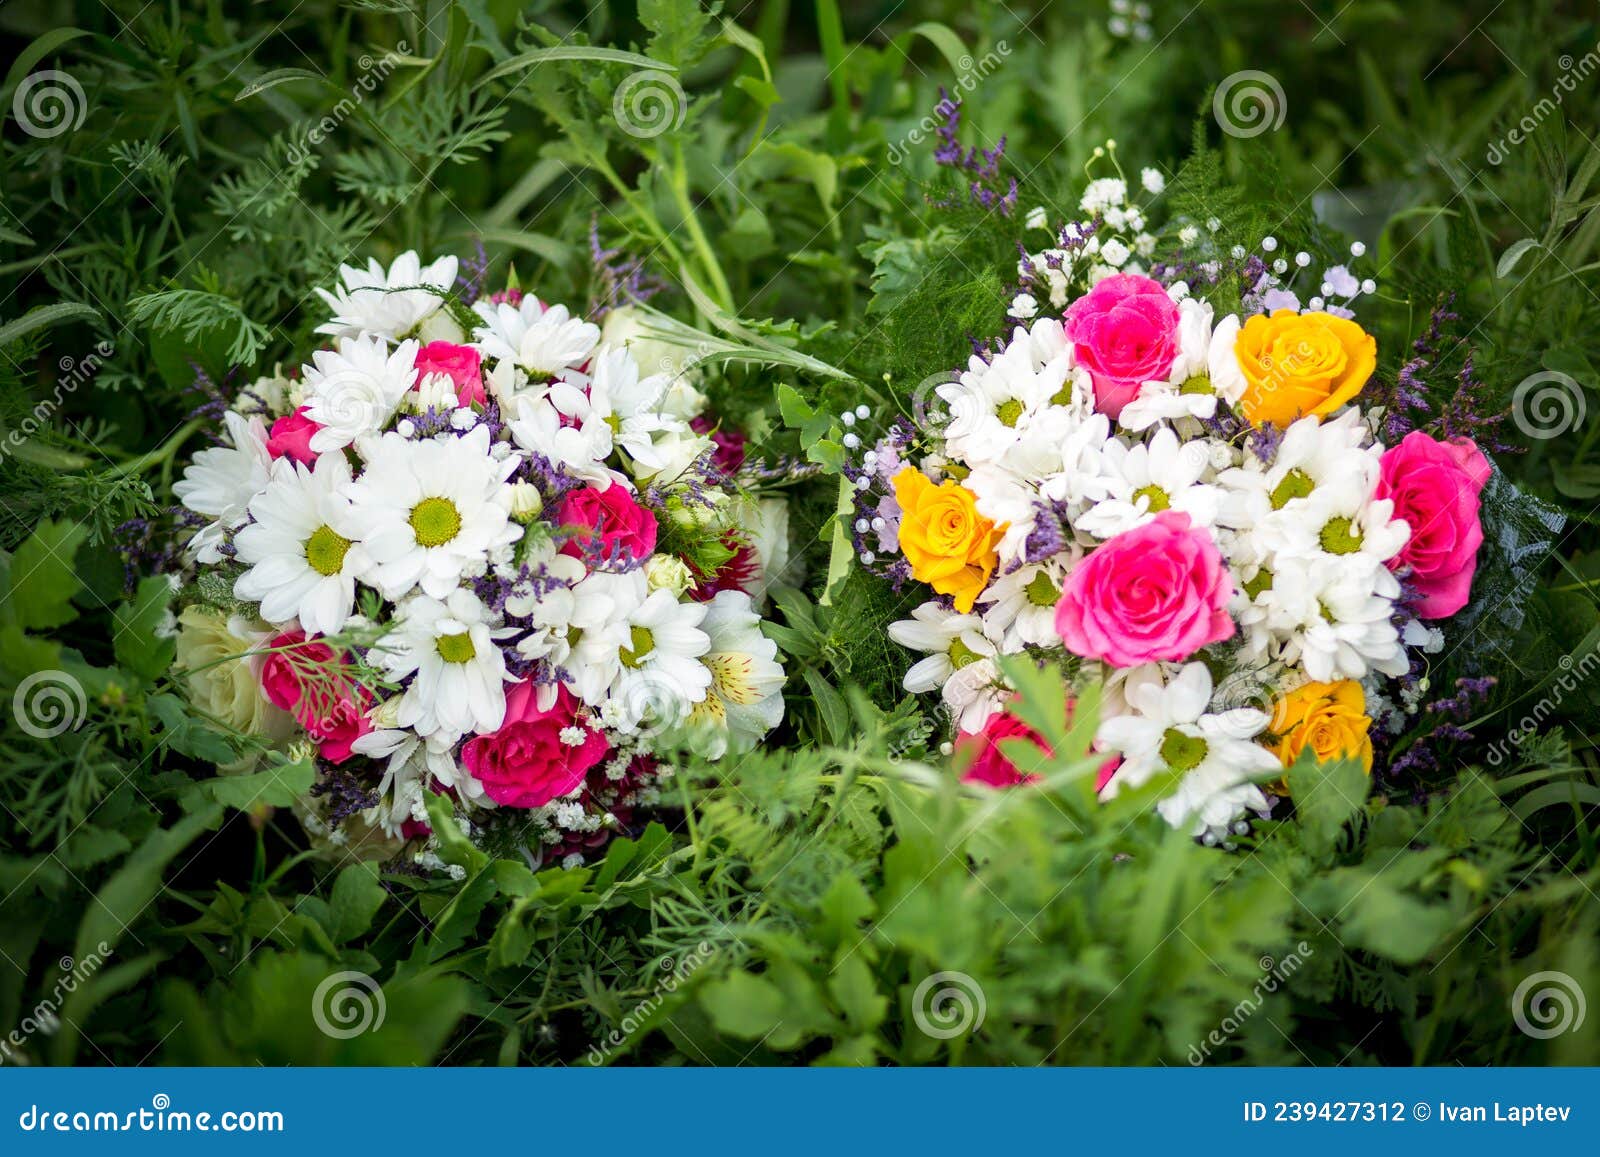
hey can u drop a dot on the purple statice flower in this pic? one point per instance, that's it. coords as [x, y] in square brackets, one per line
[474, 273]
[619, 279]
[982, 166]
[346, 795]
[213, 405]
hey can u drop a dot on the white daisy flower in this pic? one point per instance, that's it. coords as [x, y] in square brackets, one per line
[1021, 606]
[543, 341]
[389, 303]
[1143, 480]
[431, 513]
[1311, 454]
[559, 424]
[1170, 731]
[994, 401]
[1340, 518]
[1187, 391]
[745, 700]
[222, 480]
[458, 673]
[660, 676]
[355, 389]
[629, 405]
[412, 766]
[1333, 616]
[598, 629]
[959, 664]
[300, 547]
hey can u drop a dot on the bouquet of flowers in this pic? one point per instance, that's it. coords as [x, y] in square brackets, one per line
[1197, 509]
[472, 556]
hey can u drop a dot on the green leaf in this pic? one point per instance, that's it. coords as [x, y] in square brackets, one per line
[122, 900]
[43, 579]
[1326, 797]
[853, 986]
[743, 1005]
[187, 735]
[277, 786]
[46, 315]
[357, 897]
[526, 60]
[135, 641]
[281, 76]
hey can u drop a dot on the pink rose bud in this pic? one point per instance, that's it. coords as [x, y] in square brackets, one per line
[291, 436]
[460, 363]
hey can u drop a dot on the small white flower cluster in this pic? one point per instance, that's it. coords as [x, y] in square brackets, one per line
[1115, 236]
[1130, 20]
[447, 530]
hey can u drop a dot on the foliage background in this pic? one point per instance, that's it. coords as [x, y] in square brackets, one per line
[791, 910]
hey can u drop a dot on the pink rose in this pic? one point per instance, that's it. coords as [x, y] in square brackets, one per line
[992, 766]
[1435, 487]
[307, 679]
[729, 443]
[610, 516]
[1125, 333]
[527, 763]
[459, 363]
[291, 435]
[1158, 592]
[989, 764]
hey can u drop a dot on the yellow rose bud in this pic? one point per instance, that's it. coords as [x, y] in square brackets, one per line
[949, 545]
[1296, 364]
[1328, 718]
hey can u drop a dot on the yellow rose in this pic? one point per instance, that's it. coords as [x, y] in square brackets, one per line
[949, 545]
[1295, 364]
[1329, 718]
[220, 682]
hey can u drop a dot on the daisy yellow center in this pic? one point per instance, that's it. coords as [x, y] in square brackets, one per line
[615, 423]
[1041, 591]
[1262, 582]
[1182, 752]
[1340, 536]
[1009, 412]
[325, 550]
[1198, 384]
[1063, 396]
[456, 648]
[435, 521]
[1296, 484]
[961, 654]
[643, 642]
[1157, 497]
